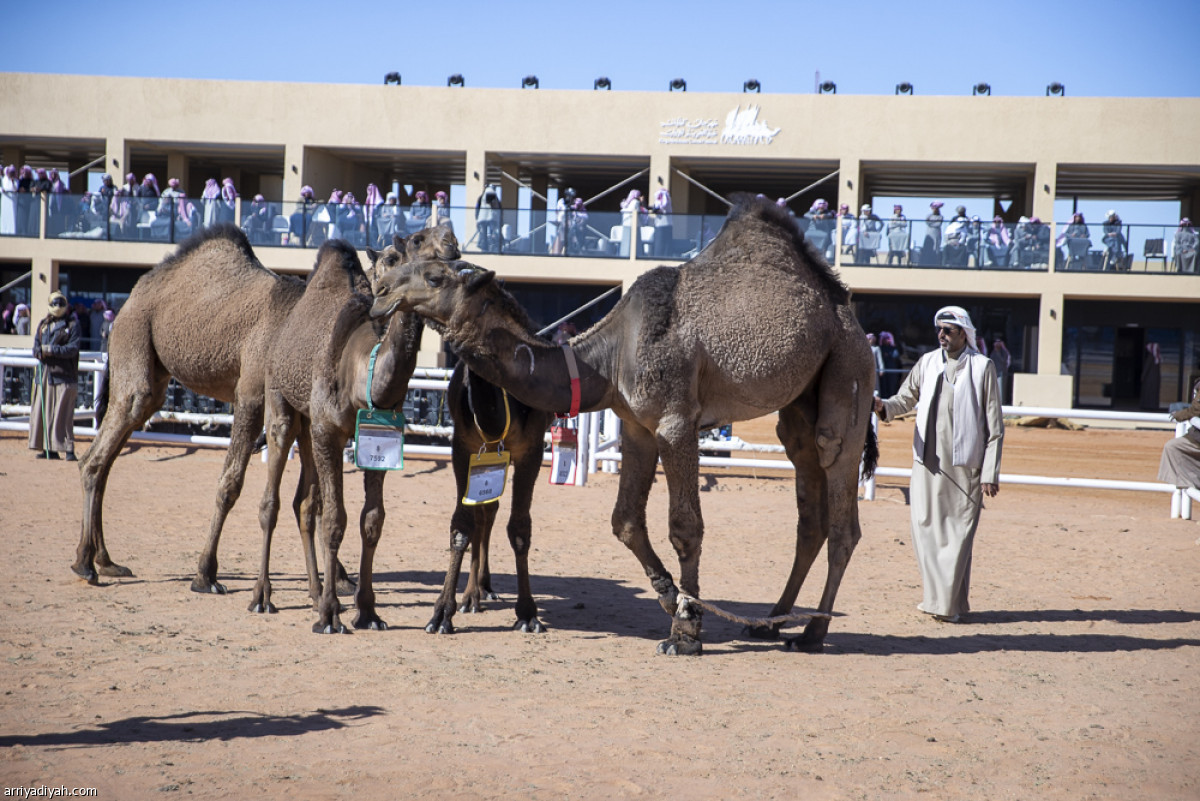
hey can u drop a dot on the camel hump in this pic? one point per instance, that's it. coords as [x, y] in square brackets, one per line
[337, 266]
[213, 237]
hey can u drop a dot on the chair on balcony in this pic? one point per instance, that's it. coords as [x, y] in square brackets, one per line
[280, 226]
[1077, 253]
[1154, 249]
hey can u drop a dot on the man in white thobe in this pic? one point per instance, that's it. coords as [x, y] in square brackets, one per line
[956, 457]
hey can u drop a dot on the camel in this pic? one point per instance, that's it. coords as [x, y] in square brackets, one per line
[482, 413]
[757, 322]
[205, 315]
[316, 381]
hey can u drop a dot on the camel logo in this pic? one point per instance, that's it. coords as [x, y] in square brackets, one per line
[742, 127]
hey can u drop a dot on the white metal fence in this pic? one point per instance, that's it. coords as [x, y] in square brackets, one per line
[599, 439]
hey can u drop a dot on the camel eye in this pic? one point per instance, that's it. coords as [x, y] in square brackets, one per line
[434, 279]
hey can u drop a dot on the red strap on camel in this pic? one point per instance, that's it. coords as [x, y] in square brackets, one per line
[573, 371]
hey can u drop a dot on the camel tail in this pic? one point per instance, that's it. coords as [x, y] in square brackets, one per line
[870, 453]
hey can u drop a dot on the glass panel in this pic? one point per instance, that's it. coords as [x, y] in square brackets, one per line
[20, 214]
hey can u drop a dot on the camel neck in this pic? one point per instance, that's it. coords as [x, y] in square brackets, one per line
[536, 373]
[394, 362]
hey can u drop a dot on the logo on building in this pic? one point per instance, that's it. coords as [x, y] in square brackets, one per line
[742, 127]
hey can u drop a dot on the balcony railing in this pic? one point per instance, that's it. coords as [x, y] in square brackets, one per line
[868, 242]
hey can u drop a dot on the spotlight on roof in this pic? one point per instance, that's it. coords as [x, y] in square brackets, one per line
[1056, 88]
[455, 80]
[905, 88]
[828, 88]
[981, 89]
[391, 78]
[602, 83]
[678, 84]
[752, 85]
[528, 81]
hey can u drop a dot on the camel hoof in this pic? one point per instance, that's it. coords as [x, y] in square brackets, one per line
[370, 624]
[87, 574]
[531, 626]
[329, 628]
[763, 632]
[488, 595]
[260, 608]
[440, 628]
[113, 570]
[680, 646]
[207, 587]
[470, 607]
[803, 644]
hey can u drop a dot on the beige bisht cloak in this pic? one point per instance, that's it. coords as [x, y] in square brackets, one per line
[1180, 463]
[956, 450]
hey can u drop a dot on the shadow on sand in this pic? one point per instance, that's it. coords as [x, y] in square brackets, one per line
[195, 727]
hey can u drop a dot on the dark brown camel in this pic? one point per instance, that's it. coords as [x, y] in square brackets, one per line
[477, 408]
[756, 323]
[316, 382]
[206, 315]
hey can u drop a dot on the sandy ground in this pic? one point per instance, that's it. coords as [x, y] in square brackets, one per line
[1074, 678]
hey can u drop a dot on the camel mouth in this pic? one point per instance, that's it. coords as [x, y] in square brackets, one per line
[385, 308]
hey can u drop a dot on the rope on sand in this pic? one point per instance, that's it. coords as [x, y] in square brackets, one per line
[750, 622]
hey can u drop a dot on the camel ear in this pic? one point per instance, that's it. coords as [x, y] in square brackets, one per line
[445, 243]
[479, 279]
[373, 255]
[398, 243]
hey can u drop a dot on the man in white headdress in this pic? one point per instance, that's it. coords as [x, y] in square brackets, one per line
[956, 457]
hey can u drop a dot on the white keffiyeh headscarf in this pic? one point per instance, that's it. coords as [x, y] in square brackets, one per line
[958, 316]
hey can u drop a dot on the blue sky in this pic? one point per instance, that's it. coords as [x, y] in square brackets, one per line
[1102, 48]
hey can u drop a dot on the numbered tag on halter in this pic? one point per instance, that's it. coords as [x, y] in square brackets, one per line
[487, 473]
[379, 440]
[564, 455]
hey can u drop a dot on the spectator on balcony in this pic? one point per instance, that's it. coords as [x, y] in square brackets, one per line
[488, 213]
[577, 227]
[256, 222]
[439, 214]
[167, 200]
[563, 211]
[1114, 241]
[390, 221]
[300, 221]
[227, 209]
[1077, 240]
[660, 214]
[870, 228]
[149, 193]
[210, 198]
[8, 201]
[931, 248]
[820, 225]
[131, 184]
[1033, 242]
[974, 239]
[26, 203]
[998, 243]
[897, 234]
[370, 212]
[1184, 249]
[848, 225]
[52, 416]
[57, 207]
[418, 212]
[1180, 463]
[348, 217]
[107, 189]
[122, 219]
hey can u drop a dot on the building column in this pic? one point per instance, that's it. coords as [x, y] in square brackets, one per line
[538, 214]
[116, 159]
[475, 184]
[293, 171]
[1047, 387]
[177, 167]
[43, 281]
[849, 184]
[1045, 182]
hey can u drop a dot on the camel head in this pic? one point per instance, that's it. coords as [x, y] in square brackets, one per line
[427, 244]
[436, 289]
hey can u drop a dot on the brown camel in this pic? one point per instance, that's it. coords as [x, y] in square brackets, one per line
[482, 413]
[757, 322]
[206, 315]
[316, 382]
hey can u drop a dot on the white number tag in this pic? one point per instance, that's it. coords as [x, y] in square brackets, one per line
[564, 453]
[379, 440]
[487, 474]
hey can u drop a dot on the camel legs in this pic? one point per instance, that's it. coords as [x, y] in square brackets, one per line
[479, 575]
[826, 499]
[520, 531]
[281, 433]
[680, 453]
[371, 528]
[327, 453]
[247, 422]
[640, 460]
[306, 506]
[127, 411]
